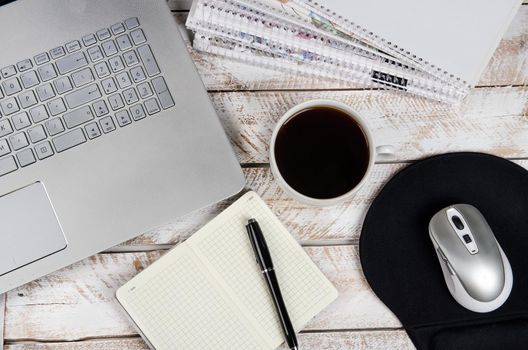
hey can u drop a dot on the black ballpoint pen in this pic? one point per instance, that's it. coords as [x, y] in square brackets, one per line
[266, 264]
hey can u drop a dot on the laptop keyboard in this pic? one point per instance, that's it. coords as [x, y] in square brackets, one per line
[78, 92]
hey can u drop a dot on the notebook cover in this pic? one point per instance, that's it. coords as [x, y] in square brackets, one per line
[458, 37]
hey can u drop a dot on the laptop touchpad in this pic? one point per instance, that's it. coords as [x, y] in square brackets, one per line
[29, 228]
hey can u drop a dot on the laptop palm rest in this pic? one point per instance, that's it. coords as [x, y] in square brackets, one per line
[29, 228]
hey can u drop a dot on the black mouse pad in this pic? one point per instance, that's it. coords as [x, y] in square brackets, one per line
[401, 266]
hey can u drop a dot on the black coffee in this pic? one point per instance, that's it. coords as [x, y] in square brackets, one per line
[322, 153]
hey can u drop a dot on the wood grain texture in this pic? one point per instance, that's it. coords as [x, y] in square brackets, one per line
[508, 66]
[359, 340]
[341, 222]
[490, 120]
[78, 302]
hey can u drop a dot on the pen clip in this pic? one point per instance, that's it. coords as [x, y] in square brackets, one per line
[251, 235]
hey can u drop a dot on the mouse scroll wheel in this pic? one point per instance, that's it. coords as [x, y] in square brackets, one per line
[458, 223]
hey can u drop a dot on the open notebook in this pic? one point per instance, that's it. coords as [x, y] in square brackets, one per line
[208, 292]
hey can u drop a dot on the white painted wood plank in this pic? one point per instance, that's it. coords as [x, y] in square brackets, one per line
[359, 340]
[341, 222]
[490, 120]
[78, 302]
[508, 66]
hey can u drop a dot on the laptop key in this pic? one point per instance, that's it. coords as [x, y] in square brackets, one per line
[7, 165]
[109, 86]
[138, 37]
[21, 121]
[38, 114]
[100, 108]
[69, 140]
[109, 48]
[138, 74]
[103, 34]
[57, 52]
[26, 157]
[130, 96]
[131, 58]
[9, 106]
[72, 62]
[152, 106]
[36, 134]
[145, 90]
[78, 117]
[137, 112]
[42, 58]
[123, 118]
[101, 69]
[83, 96]
[116, 102]
[4, 148]
[44, 150]
[24, 65]
[8, 71]
[124, 42]
[18, 141]
[107, 124]
[47, 72]
[82, 77]
[11, 86]
[56, 107]
[148, 60]
[163, 93]
[116, 64]
[132, 23]
[5, 127]
[123, 80]
[73, 46]
[29, 79]
[27, 99]
[45, 92]
[62, 85]
[54, 126]
[117, 28]
[92, 130]
[95, 53]
[89, 40]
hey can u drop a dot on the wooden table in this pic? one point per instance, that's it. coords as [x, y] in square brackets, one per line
[75, 309]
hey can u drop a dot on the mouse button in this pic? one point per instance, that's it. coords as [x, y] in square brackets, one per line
[482, 278]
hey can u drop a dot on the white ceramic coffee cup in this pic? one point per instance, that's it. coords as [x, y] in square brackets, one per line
[386, 151]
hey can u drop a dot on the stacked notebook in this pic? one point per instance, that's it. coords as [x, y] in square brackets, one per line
[435, 49]
[209, 292]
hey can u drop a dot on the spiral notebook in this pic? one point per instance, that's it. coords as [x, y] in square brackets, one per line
[437, 50]
[209, 293]
[249, 33]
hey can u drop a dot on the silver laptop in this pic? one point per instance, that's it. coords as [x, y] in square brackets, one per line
[106, 131]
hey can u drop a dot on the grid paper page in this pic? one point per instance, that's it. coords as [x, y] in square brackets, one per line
[229, 254]
[176, 306]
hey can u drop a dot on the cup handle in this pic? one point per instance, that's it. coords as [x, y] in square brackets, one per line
[385, 152]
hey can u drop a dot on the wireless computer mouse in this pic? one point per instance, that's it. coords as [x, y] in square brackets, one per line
[476, 270]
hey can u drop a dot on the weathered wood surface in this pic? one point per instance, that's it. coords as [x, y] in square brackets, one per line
[491, 120]
[508, 66]
[360, 340]
[341, 222]
[78, 302]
